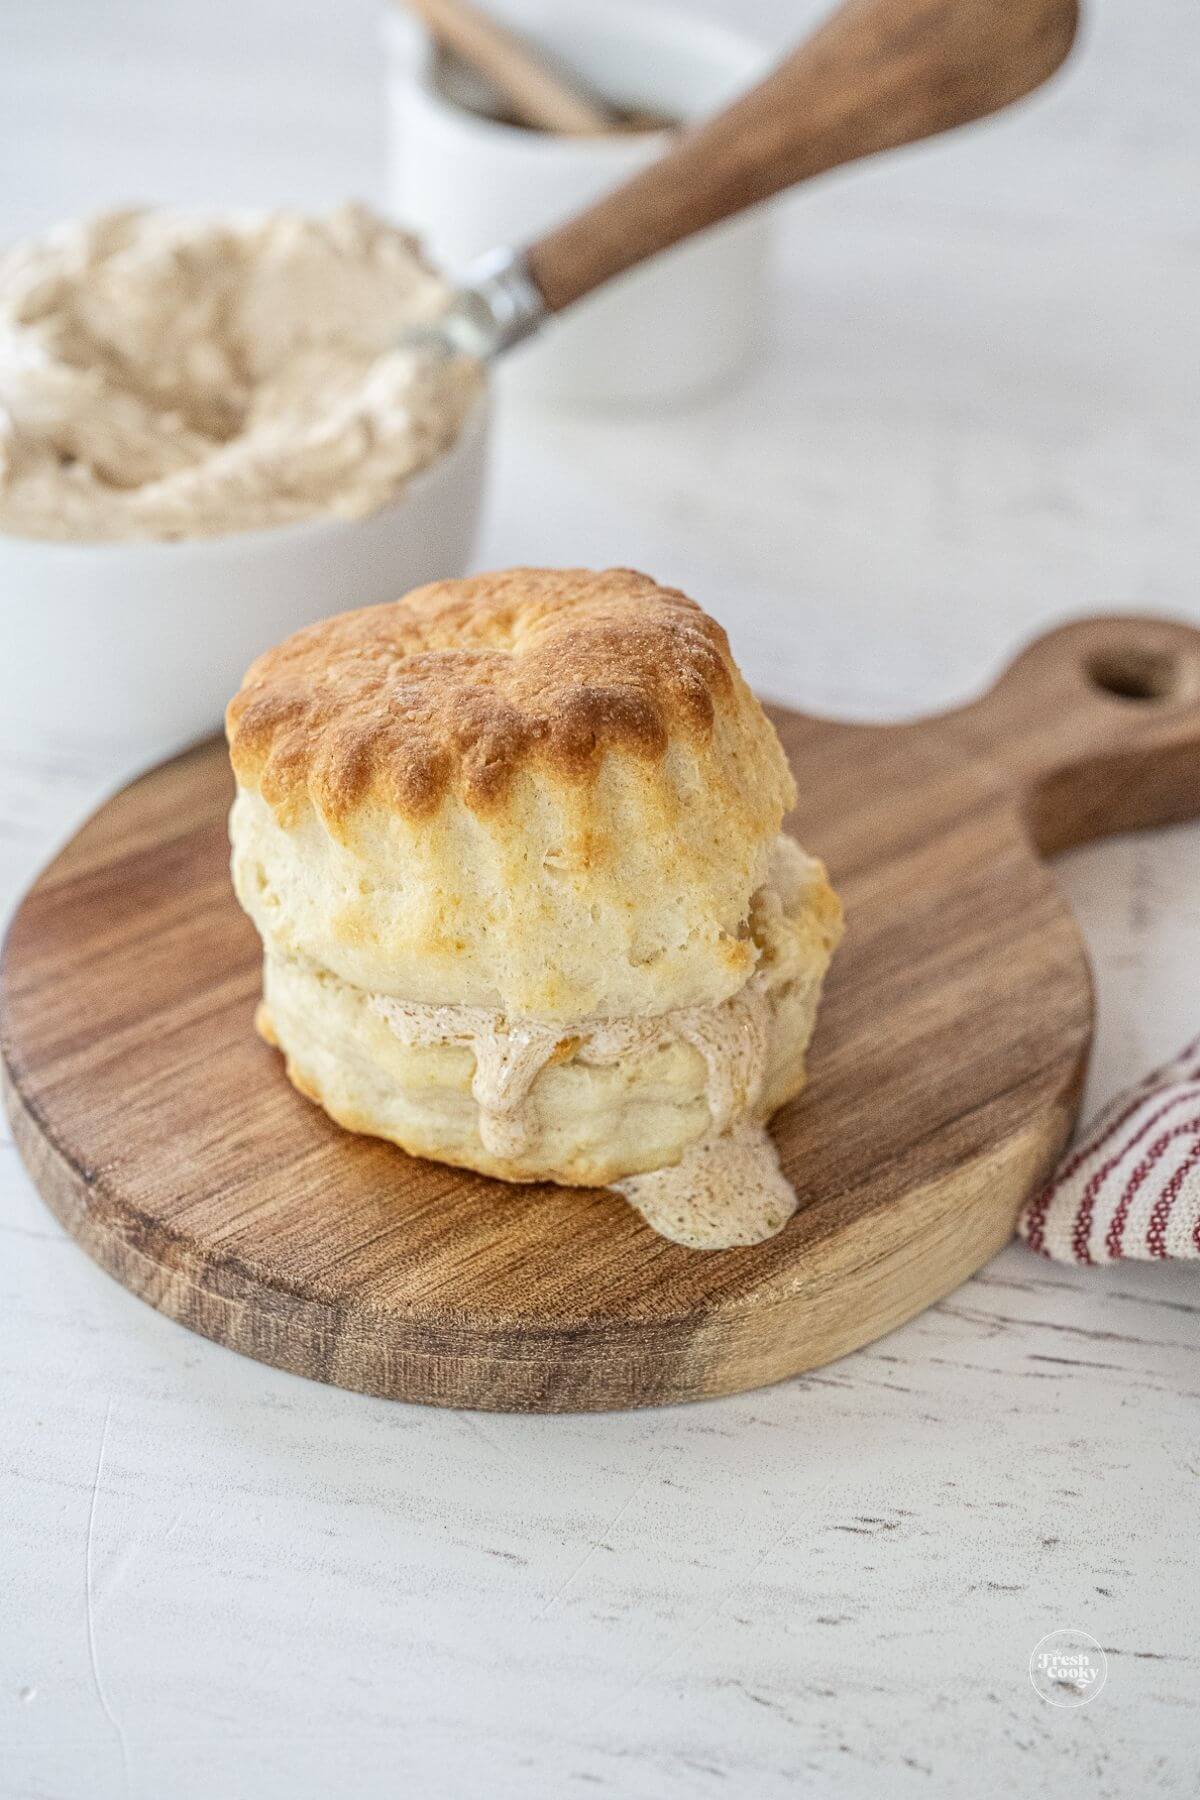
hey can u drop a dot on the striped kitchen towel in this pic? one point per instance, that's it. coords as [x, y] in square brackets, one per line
[1131, 1185]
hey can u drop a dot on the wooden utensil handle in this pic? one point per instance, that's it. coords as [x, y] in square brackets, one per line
[1099, 725]
[879, 73]
[540, 95]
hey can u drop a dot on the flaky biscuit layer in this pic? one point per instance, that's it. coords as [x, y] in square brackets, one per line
[544, 790]
[591, 1116]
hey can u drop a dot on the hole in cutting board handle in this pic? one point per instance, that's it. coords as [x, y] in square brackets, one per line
[1134, 672]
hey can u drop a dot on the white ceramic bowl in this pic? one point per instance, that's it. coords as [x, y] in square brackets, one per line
[469, 184]
[133, 649]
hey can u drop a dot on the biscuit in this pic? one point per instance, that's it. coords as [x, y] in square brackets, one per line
[547, 791]
[595, 1109]
[513, 848]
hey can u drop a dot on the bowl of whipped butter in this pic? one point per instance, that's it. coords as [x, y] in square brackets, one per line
[209, 436]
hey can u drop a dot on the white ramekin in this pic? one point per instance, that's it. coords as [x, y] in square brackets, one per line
[133, 649]
[468, 184]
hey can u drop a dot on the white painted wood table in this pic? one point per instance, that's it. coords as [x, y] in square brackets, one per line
[977, 412]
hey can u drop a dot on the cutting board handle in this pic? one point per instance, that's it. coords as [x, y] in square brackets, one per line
[1098, 723]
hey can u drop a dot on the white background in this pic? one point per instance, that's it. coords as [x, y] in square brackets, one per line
[977, 412]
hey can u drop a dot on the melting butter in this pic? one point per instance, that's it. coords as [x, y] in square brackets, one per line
[728, 1188]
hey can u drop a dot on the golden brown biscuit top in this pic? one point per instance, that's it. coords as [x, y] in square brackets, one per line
[462, 684]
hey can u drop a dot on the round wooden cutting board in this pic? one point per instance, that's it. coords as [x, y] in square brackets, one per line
[944, 1076]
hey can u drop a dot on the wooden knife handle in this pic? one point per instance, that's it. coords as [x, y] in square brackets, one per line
[1098, 724]
[540, 94]
[879, 73]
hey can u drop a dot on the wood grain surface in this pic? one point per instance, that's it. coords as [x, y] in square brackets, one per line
[943, 1080]
[877, 74]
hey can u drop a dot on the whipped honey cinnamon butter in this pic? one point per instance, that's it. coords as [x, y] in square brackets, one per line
[167, 375]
